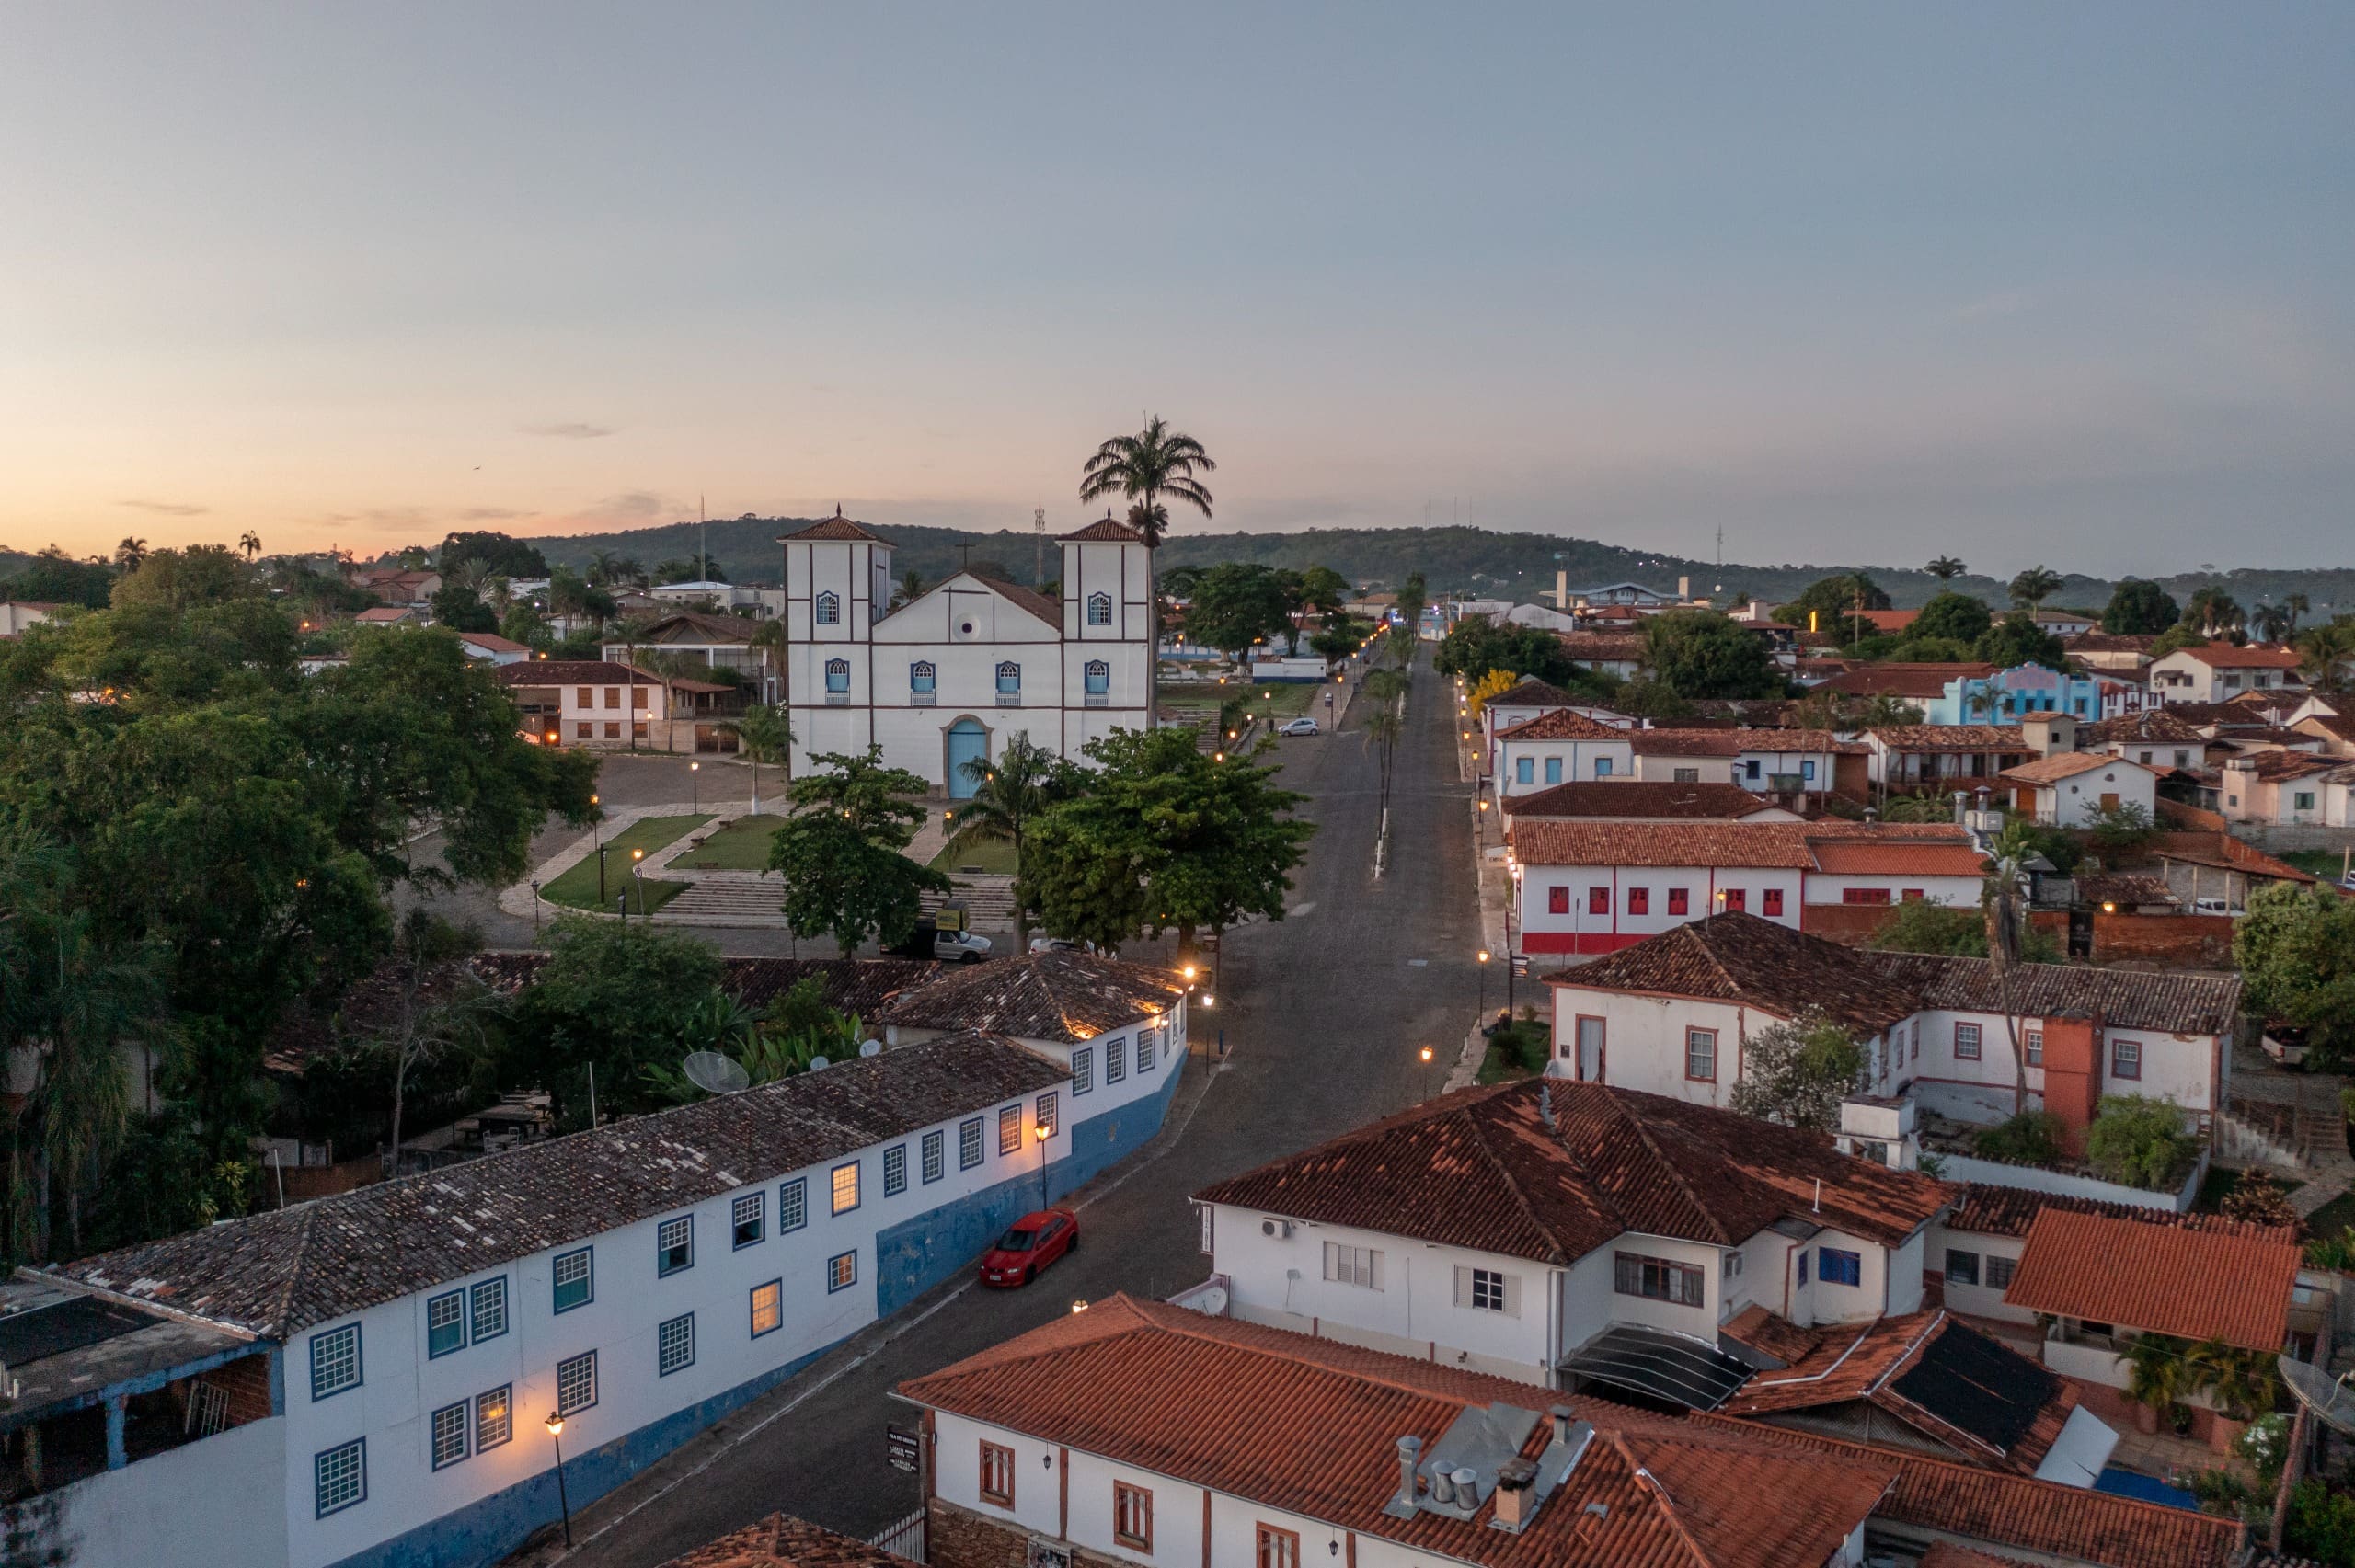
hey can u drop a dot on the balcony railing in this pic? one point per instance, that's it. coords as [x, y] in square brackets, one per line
[1009, 699]
[921, 699]
[838, 699]
[1097, 700]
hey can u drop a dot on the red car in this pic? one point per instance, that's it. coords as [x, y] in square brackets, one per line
[1034, 1242]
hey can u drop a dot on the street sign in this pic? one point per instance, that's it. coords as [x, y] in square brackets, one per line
[900, 1448]
[1520, 963]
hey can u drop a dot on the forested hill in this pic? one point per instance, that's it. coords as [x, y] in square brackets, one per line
[1475, 560]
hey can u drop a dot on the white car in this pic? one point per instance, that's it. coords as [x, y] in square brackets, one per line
[1301, 725]
[1057, 944]
[959, 947]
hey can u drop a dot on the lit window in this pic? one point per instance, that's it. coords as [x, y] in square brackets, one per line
[934, 1155]
[490, 1309]
[576, 1282]
[748, 1219]
[494, 1417]
[674, 1345]
[445, 1324]
[1045, 1116]
[674, 1244]
[1010, 1129]
[895, 1170]
[844, 1187]
[1099, 609]
[768, 1306]
[451, 1424]
[334, 1361]
[339, 1476]
[792, 1205]
[575, 1383]
[829, 609]
[842, 1272]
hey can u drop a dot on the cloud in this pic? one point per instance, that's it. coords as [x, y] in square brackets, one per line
[571, 431]
[630, 503]
[491, 514]
[166, 508]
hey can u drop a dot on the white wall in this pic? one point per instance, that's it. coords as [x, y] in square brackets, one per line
[2075, 802]
[1705, 888]
[1661, 766]
[1980, 1300]
[1642, 1039]
[1578, 761]
[210, 1504]
[1824, 887]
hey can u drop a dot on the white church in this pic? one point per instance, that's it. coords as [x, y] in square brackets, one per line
[955, 674]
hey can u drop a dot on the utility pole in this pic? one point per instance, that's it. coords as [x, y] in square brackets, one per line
[703, 547]
[1039, 557]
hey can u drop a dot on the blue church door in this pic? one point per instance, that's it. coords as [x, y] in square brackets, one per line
[968, 742]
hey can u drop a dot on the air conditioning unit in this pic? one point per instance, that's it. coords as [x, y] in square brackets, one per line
[1280, 1229]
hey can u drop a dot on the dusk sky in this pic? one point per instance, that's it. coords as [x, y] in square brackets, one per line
[2070, 283]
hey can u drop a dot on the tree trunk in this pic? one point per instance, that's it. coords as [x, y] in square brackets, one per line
[1152, 634]
[400, 1082]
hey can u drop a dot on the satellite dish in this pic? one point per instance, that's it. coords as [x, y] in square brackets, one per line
[870, 1047]
[819, 1064]
[714, 1073]
[2331, 1401]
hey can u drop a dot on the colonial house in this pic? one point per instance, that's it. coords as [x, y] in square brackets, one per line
[1775, 761]
[2156, 737]
[1140, 1432]
[1632, 800]
[2280, 789]
[389, 615]
[2006, 696]
[1588, 886]
[717, 642]
[1560, 747]
[2217, 869]
[1671, 1016]
[952, 675]
[2064, 623]
[597, 703]
[2220, 672]
[1524, 1229]
[1610, 653]
[1919, 683]
[2113, 653]
[2336, 730]
[2072, 789]
[396, 585]
[489, 648]
[1535, 699]
[1933, 759]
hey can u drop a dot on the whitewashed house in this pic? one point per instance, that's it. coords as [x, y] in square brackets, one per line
[951, 677]
[2074, 789]
[2219, 672]
[1559, 747]
[1779, 761]
[1533, 699]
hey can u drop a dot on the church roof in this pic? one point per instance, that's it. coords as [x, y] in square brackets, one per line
[836, 527]
[1106, 530]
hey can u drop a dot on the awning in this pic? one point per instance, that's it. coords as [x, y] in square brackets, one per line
[1659, 1365]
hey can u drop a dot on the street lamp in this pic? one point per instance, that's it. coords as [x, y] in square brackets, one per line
[1426, 1053]
[597, 833]
[555, 1435]
[695, 801]
[1484, 983]
[637, 869]
[1042, 1132]
[535, 909]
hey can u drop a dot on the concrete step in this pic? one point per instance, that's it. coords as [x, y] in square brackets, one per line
[711, 901]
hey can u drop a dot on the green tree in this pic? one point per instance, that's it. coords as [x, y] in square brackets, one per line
[2120, 829]
[839, 851]
[1842, 594]
[1477, 645]
[765, 735]
[2181, 635]
[1701, 654]
[2034, 586]
[498, 554]
[2140, 1142]
[1654, 700]
[2015, 640]
[1236, 604]
[2138, 608]
[1324, 591]
[2326, 656]
[1959, 616]
[55, 578]
[1009, 796]
[181, 579]
[1946, 568]
[1414, 595]
[462, 610]
[2295, 950]
[2214, 610]
[1798, 1070]
[610, 1000]
[1144, 467]
[1920, 926]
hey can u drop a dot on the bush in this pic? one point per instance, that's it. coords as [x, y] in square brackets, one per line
[2334, 1252]
[2259, 1199]
[2140, 1142]
[2321, 1525]
[2220, 1492]
[2032, 1138]
[2263, 1443]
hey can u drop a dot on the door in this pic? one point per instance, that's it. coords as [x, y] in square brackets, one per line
[1590, 1049]
[2081, 934]
[968, 742]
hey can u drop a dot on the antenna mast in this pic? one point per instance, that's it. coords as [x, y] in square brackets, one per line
[1038, 554]
[702, 524]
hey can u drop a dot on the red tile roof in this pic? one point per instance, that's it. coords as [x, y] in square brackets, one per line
[1029, 598]
[1743, 958]
[2069, 1523]
[1562, 723]
[1788, 845]
[1536, 694]
[2143, 724]
[1896, 857]
[1640, 798]
[2192, 1284]
[1106, 530]
[2224, 656]
[836, 527]
[1310, 1426]
[1732, 742]
[2224, 852]
[2066, 766]
[1602, 647]
[492, 641]
[1061, 996]
[1955, 737]
[1947, 1554]
[581, 672]
[783, 1541]
[2008, 1211]
[1902, 679]
[1480, 1168]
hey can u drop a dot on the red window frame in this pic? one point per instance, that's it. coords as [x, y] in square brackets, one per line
[1863, 895]
[1774, 902]
[1736, 897]
[1680, 900]
[997, 1474]
[1279, 1548]
[1639, 901]
[1132, 1516]
[1557, 900]
[1598, 900]
[1912, 896]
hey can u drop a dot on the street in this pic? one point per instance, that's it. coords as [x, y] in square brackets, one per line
[1323, 1014]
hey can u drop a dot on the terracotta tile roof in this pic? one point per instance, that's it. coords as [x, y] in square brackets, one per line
[2177, 1002]
[2224, 656]
[1106, 530]
[2071, 1524]
[1480, 1168]
[2067, 765]
[1744, 957]
[277, 1273]
[835, 527]
[1310, 1426]
[1884, 620]
[1903, 679]
[2143, 724]
[2111, 642]
[707, 627]
[783, 1541]
[386, 613]
[1732, 742]
[2340, 725]
[2223, 851]
[1789, 845]
[1061, 996]
[1896, 857]
[1955, 737]
[1771, 1334]
[1536, 694]
[2279, 767]
[1562, 723]
[1604, 647]
[1025, 598]
[1927, 1369]
[574, 671]
[2166, 1279]
[493, 642]
[1635, 797]
[2124, 888]
[864, 986]
[2008, 1211]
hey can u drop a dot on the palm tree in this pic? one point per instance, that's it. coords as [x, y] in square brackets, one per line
[1388, 690]
[601, 567]
[250, 543]
[2213, 609]
[97, 999]
[911, 587]
[130, 553]
[2270, 622]
[765, 735]
[1155, 462]
[2328, 652]
[2034, 586]
[1946, 568]
[2295, 603]
[1999, 901]
[1009, 796]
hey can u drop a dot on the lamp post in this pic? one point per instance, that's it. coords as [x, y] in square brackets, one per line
[535, 909]
[1040, 1133]
[694, 800]
[555, 1435]
[1483, 984]
[1511, 964]
[597, 832]
[637, 870]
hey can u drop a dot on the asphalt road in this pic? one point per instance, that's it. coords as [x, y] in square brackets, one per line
[1323, 1014]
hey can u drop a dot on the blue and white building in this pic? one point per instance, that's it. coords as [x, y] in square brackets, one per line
[2010, 695]
[399, 1353]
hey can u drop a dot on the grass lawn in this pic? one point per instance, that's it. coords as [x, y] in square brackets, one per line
[577, 887]
[1518, 1052]
[2324, 864]
[994, 857]
[742, 845]
[2332, 1217]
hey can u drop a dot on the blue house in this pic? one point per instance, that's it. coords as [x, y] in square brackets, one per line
[2009, 695]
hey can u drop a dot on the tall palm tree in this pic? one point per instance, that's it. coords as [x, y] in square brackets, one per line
[130, 553]
[2270, 623]
[1155, 462]
[765, 735]
[2295, 603]
[2329, 655]
[1999, 900]
[2034, 586]
[1388, 690]
[1009, 796]
[601, 567]
[911, 586]
[250, 543]
[1946, 568]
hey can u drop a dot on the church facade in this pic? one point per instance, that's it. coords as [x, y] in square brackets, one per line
[954, 675]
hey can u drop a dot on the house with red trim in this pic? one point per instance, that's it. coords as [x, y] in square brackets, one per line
[2220, 671]
[1589, 887]
[1535, 699]
[1777, 761]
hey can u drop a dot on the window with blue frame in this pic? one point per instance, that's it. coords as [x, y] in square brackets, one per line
[1083, 1069]
[842, 1272]
[576, 1279]
[749, 1219]
[969, 1143]
[837, 676]
[792, 1205]
[1099, 609]
[1524, 770]
[1009, 679]
[829, 609]
[935, 1155]
[1602, 767]
[490, 1309]
[452, 1431]
[1802, 1266]
[445, 1324]
[334, 1361]
[1807, 770]
[895, 1170]
[1098, 677]
[339, 1476]
[920, 677]
[1553, 770]
[674, 1345]
[1836, 1266]
[674, 1244]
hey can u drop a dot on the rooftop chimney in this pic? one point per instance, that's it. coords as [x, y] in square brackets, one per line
[1561, 1417]
[1410, 1451]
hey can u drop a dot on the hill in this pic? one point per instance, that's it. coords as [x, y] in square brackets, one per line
[1473, 560]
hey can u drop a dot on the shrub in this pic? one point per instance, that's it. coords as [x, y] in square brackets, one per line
[2321, 1525]
[2259, 1199]
[1797, 1072]
[2263, 1443]
[2335, 1252]
[2032, 1138]
[2220, 1492]
[2140, 1142]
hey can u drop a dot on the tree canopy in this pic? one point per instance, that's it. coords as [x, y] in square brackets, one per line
[1236, 604]
[500, 555]
[1843, 593]
[839, 851]
[1959, 616]
[2016, 639]
[55, 578]
[2138, 608]
[1477, 644]
[1700, 654]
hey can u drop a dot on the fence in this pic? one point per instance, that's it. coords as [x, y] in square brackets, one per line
[904, 1537]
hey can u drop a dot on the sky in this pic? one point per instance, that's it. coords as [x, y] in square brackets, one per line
[2072, 284]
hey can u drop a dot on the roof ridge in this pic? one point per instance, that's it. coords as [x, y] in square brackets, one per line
[1662, 1497]
[1643, 1134]
[286, 1308]
[1520, 1199]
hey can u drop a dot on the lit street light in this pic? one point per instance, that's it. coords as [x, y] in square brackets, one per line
[694, 800]
[555, 1435]
[1483, 984]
